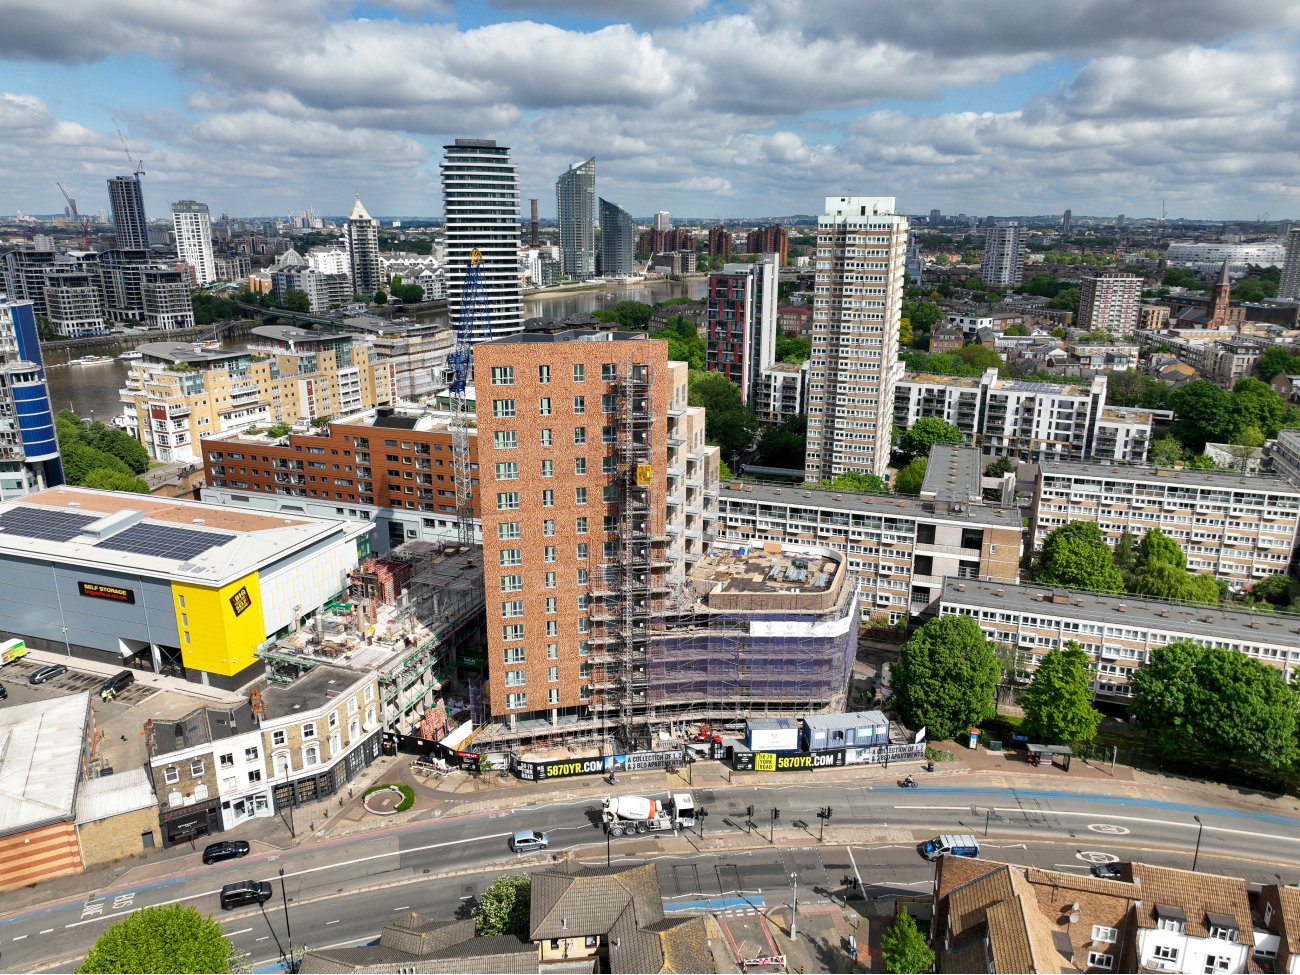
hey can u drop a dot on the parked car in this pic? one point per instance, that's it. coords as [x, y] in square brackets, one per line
[226, 850]
[1106, 871]
[3, 693]
[116, 684]
[243, 892]
[529, 839]
[46, 674]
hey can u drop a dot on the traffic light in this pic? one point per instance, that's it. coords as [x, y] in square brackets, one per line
[828, 812]
[776, 814]
[750, 812]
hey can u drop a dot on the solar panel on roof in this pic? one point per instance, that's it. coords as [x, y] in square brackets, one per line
[165, 542]
[51, 524]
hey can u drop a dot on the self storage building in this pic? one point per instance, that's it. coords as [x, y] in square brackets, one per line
[164, 584]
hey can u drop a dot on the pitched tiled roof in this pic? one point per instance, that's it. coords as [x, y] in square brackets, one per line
[588, 900]
[1289, 924]
[1196, 894]
[685, 944]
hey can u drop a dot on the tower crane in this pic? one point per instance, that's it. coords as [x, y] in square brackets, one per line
[84, 221]
[473, 312]
[139, 166]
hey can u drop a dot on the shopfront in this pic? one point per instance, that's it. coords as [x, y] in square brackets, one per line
[305, 788]
[190, 823]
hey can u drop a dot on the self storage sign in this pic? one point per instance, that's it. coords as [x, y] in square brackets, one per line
[98, 590]
[240, 601]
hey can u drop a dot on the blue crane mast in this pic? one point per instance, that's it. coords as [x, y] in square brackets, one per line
[473, 314]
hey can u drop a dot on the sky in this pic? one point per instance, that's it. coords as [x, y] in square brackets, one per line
[705, 109]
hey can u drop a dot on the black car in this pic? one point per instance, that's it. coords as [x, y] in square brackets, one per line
[47, 674]
[116, 684]
[228, 850]
[243, 892]
[1106, 871]
[3, 693]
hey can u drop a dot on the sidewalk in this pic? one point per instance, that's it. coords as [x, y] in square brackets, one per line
[160, 681]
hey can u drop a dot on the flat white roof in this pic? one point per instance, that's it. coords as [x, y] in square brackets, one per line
[40, 760]
[113, 795]
[163, 537]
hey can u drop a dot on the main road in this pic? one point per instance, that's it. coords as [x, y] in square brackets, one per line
[343, 891]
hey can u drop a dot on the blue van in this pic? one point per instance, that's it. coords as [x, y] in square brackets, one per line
[953, 844]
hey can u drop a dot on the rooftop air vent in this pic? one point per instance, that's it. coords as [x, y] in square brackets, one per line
[110, 525]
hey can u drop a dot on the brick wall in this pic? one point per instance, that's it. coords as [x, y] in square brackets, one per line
[39, 854]
[106, 840]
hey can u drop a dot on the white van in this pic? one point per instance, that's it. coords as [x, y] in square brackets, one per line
[954, 844]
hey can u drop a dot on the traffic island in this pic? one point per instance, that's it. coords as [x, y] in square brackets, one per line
[387, 800]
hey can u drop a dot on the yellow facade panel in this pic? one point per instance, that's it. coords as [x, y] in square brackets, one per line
[224, 625]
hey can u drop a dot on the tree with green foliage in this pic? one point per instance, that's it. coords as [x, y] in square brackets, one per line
[784, 444]
[1181, 277]
[1077, 555]
[380, 297]
[1167, 451]
[1276, 361]
[504, 907]
[1277, 589]
[1167, 581]
[629, 314]
[1014, 330]
[903, 948]
[1042, 283]
[792, 349]
[1067, 299]
[850, 481]
[685, 344]
[1156, 546]
[1219, 701]
[945, 677]
[724, 471]
[81, 449]
[121, 445]
[1255, 404]
[1013, 675]
[110, 480]
[295, 299]
[911, 477]
[1128, 387]
[923, 315]
[1204, 414]
[728, 422]
[1125, 557]
[169, 938]
[927, 432]
[1256, 289]
[1002, 466]
[1058, 702]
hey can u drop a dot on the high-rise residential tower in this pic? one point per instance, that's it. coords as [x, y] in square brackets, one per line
[742, 323]
[662, 220]
[480, 194]
[126, 197]
[1003, 263]
[1067, 222]
[616, 243]
[861, 275]
[1110, 302]
[363, 246]
[1290, 285]
[935, 217]
[575, 203]
[193, 225]
[534, 227]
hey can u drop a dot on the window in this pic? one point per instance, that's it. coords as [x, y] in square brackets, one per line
[548, 553]
[553, 696]
[512, 583]
[278, 738]
[352, 707]
[1102, 933]
[311, 755]
[1097, 959]
[255, 776]
[609, 523]
[510, 556]
[546, 437]
[584, 624]
[370, 695]
[1223, 933]
[309, 730]
[1171, 924]
[579, 435]
[543, 375]
[504, 440]
[584, 670]
[607, 403]
[503, 408]
[580, 526]
[580, 495]
[582, 577]
[517, 700]
[171, 775]
[583, 647]
[251, 754]
[582, 551]
[228, 760]
[230, 783]
[551, 606]
[512, 632]
[579, 373]
[544, 406]
[550, 580]
[548, 498]
[579, 404]
[334, 719]
[508, 501]
[508, 530]
[512, 608]
[513, 655]
[196, 768]
[552, 628]
[508, 471]
[1214, 965]
[516, 678]
[583, 600]
[552, 651]
[548, 525]
[608, 372]
[609, 494]
[580, 466]
[548, 468]
[609, 550]
[584, 693]
[503, 375]
[607, 436]
[1166, 952]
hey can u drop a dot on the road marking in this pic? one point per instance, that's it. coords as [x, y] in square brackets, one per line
[1094, 856]
[20, 937]
[47, 931]
[1109, 828]
[932, 807]
[231, 934]
[123, 900]
[327, 923]
[1165, 822]
[406, 908]
[263, 939]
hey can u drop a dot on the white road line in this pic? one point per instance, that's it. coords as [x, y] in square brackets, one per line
[1163, 822]
[328, 923]
[20, 937]
[406, 908]
[47, 931]
[932, 807]
[855, 867]
[231, 934]
[302, 873]
[263, 939]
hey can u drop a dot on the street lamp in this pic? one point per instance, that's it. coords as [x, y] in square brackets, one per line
[1199, 828]
[794, 907]
[293, 965]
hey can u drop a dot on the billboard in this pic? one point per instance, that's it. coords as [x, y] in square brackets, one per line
[774, 739]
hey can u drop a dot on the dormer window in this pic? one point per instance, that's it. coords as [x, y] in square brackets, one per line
[1222, 927]
[1170, 918]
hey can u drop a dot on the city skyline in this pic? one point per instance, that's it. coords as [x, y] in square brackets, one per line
[707, 111]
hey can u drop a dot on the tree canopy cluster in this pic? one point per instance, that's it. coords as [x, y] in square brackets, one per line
[169, 938]
[945, 677]
[728, 422]
[792, 349]
[969, 360]
[684, 343]
[784, 444]
[410, 293]
[925, 433]
[1208, 414]
[100, 456]
[505, 907]
[208, 309]
[627, 314]
[1257, 289]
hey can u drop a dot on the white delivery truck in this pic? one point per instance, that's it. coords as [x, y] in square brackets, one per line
[638, 814]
